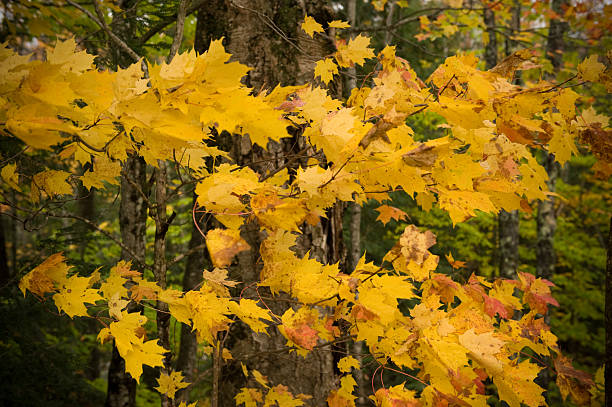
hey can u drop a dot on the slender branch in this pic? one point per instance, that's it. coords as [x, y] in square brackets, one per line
[186, 254]
[13, 156]
[180, 25]
[559, 84]
[194, 6]
[282, 167]
[102, 24]
[105, 233]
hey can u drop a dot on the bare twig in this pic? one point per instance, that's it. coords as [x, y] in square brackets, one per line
[194, 6]
[104, 232]
[102, 24]
[187, 253]
[180, 25]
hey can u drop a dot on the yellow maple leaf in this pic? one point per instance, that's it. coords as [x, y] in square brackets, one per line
[326, 69]
[45, 277]
[355, 52]
[51, 182]
[170, 384]
[248, 311]
[224, 244]
[386, 213]
[346, 363]
[483, 348]
[10, 176]
[64, 54]
[261, 379]
[516, 385]
[208, 312]
[339, 24]
[590, 69]
[116, 305]
[144, 289]
[311, 26]
[177, 304]
[114, 284]
[249, 397]
[73, 295]
[104, 170]
[143, 353]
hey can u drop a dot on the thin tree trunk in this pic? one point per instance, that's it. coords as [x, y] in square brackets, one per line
[159, 267]
[389, 21]
[273, 54]
[5, 274]
[608, 311]
[509, 221]
[187, 356]
[132, 222]
[547, 217]
[121, 391]
[547, 224]
[490, 52]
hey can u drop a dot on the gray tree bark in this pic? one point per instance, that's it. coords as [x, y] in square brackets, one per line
[121, 391]
[266, 36]
[547, 217]
[608, 314]
[132, 222]
[197, 261]
[490, 52]
[508, 222]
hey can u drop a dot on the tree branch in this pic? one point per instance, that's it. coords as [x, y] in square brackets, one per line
[195, 5]
[180, 25]
[105, 233]
[102, 24]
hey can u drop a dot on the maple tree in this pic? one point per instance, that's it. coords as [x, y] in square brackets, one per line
[458, 338]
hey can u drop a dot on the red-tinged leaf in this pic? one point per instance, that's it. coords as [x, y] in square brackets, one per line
[303, 336]
[445, 287]
[573, 382]
[494, 306]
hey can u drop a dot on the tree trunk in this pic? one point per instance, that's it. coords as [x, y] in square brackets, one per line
[159, 267]
[508, 222]
[5, 274]
[187, 356]
[132, 222]
[608, 312]
[547, 217]
[547, 224]
[266, 36]
[490, 52]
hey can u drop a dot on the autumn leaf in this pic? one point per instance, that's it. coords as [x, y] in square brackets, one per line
[73, 294]
[248, 311]
[50, 182]
[311, 26]
[143, 353]
[10, 176]
[386, 213]
[170, 384]
[590, 69]
[47, 276]
[218, 276]
[249, 397]
[415, 244]
[116, 305]
[355, 52]
[224, 244]
[456, 264]
[326, 69]
[346, 363]
[339, 24]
